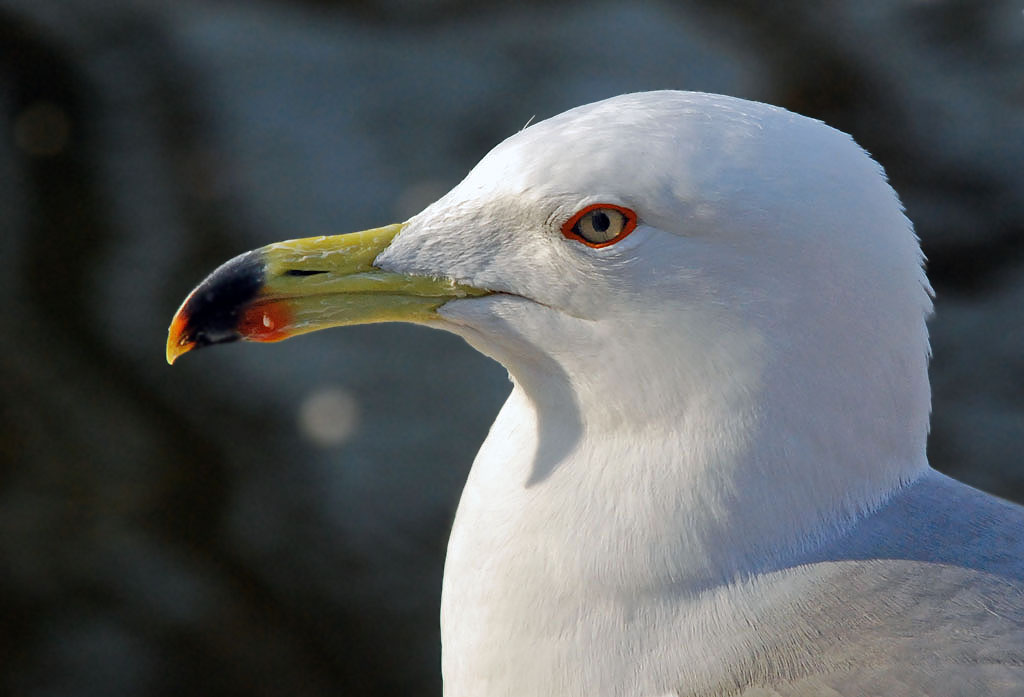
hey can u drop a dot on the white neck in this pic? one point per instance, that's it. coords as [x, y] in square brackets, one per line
[575, 513]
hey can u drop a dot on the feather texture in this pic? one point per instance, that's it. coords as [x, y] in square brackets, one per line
[710, 477]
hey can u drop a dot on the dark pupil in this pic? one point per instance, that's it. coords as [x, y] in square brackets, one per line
[600, 222]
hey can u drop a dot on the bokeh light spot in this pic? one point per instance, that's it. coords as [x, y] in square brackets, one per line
[329, 416]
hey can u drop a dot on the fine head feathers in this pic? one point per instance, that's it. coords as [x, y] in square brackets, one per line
[766, 318]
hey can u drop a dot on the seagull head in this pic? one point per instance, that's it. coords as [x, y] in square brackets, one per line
[722, 268]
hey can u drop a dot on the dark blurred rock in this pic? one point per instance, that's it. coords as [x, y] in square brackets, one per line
[194, 531]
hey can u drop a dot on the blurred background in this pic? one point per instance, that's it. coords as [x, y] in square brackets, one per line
[271, 520]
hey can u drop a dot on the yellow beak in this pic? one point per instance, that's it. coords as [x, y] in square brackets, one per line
[300, 286]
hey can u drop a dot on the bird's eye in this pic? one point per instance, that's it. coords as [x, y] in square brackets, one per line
[600, 225]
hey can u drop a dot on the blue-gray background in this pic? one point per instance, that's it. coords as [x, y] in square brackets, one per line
[271, 520]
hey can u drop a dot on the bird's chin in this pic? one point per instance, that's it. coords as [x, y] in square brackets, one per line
[496, 324]
[497, 307]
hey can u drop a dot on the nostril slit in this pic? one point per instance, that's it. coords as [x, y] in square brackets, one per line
[302, 272]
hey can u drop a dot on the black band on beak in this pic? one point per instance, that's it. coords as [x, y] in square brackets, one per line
[213, 310]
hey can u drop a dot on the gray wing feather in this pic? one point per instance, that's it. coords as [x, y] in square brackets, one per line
[924, 597]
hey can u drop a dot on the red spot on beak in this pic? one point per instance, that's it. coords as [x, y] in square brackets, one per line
[265, 321]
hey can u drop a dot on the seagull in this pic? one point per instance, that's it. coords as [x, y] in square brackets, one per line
[710, 475]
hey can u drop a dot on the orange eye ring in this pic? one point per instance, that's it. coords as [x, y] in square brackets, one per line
[572, 229]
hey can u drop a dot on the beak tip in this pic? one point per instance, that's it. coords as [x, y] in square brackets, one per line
[178, 342]
[175, 352]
